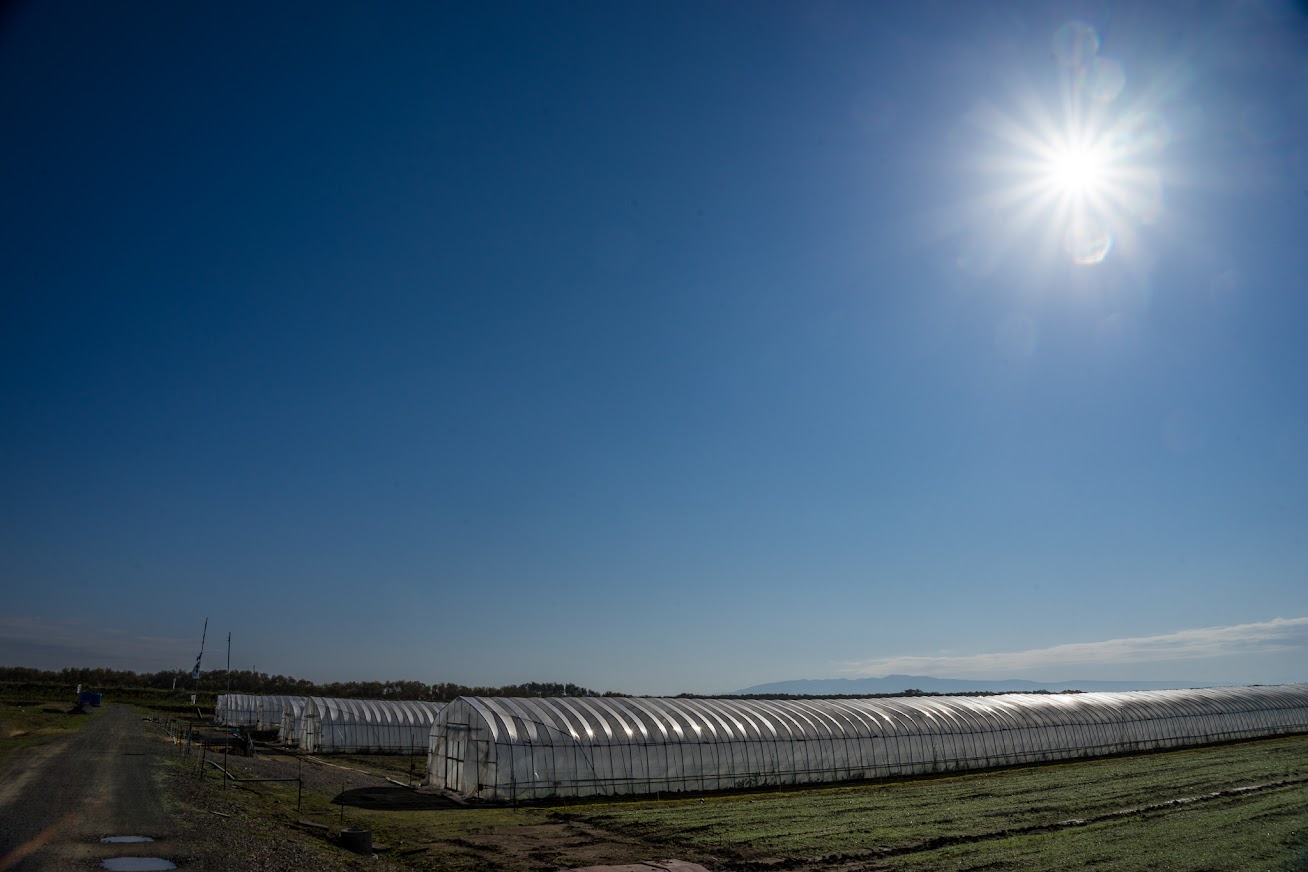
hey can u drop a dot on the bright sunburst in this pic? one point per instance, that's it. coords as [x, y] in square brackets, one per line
[1073, 184]
[1077, 170]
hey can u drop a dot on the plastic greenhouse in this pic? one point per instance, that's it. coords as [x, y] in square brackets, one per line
[292, 721]
[367, 726]
[236, 709]
[250, 710]
[521, 748]
[271, 708]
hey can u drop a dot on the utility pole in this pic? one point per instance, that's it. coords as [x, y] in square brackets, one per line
[195, 673]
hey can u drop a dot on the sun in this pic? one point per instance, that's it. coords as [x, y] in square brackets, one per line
[1067, 170]
[1077, 171]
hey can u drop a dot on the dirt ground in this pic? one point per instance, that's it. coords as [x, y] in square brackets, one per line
[122, 775]
[114, 778]
[58, 800]
[431, 832]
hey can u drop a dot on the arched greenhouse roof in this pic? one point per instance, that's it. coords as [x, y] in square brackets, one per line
[236, 709]
[271, 708]
[292, 719]
[503, 748]
[366, 725]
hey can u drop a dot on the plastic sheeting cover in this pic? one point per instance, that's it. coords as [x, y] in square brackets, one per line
[271, 708]
[370, 726]
[521, 748]
[236, 709]
[251, 710]
[292, 719]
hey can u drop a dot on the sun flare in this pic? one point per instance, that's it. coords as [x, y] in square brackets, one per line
[1077, 170]
[1077, 183]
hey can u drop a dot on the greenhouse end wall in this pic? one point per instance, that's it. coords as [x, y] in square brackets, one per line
[292, 719]
[506, 749]
[236, 709]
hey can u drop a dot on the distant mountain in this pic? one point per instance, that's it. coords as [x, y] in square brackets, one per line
[901, 683]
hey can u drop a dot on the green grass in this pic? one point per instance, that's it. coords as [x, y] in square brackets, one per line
[171, 701]
[914, 824]
[1259, 832]
[34, 723]
[1006, 820]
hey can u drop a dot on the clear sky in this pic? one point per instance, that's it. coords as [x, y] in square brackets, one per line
[656, 346]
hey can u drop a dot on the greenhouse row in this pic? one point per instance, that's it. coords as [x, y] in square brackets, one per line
[504, 748]
[237, 709]
[251, 710]
[324, 725]
[366, 726]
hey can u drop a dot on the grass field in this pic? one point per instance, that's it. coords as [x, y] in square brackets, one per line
[1232, 807]
[22, 726]
[171, 701]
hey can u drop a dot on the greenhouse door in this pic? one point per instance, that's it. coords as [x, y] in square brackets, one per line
[309, 734]
[456, 741]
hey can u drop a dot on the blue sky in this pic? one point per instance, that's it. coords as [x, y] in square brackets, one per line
[656, 347]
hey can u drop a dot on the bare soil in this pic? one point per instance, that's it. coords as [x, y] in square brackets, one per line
[119, 776]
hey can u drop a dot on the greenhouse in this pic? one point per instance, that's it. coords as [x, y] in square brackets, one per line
[250, 710]
[236, 709]
[292, 719]
[270, 710]
[367, 726]
[504, 748]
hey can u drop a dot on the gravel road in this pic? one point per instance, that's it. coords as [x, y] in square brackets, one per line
[57, 802]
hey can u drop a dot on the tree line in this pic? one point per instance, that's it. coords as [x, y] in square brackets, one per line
[247, 681]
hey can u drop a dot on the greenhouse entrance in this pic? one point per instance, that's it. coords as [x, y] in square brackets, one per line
[456, 740]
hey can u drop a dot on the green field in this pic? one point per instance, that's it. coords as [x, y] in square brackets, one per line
[34, 723]
[1011, 819]
[169, 701]
[1231, 807]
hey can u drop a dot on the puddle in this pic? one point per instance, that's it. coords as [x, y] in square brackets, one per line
[137, 864]
[116, 839]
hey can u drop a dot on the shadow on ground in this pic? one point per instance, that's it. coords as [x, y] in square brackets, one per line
[392, 799]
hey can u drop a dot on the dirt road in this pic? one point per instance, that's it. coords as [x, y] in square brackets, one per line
[59, 800]
[114, 778]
